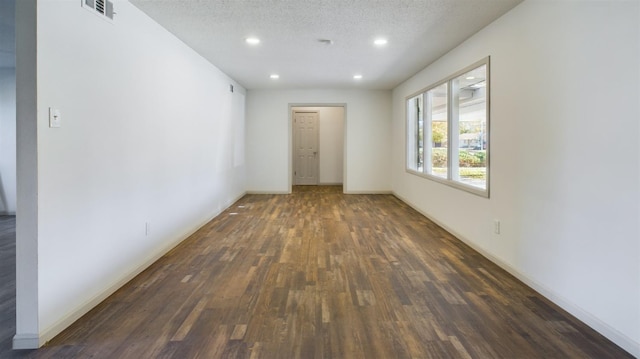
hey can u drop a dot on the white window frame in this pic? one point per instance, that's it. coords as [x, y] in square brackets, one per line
[453, 178]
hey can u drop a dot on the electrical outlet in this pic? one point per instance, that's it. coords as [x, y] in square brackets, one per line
[496, 226]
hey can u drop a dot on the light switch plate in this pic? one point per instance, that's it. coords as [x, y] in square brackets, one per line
[55, 119]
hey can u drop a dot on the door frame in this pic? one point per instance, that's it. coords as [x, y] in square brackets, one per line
[290, 140]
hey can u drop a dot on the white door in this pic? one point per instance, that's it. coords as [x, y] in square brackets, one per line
[305, 163]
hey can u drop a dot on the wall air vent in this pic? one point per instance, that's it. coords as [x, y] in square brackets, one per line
[102, 8]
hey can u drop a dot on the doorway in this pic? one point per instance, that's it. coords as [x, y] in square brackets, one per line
[317, 144]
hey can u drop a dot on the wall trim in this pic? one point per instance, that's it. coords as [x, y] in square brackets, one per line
[55, 329]
[587, 318]
[369, 192]
[25, 341]
[268, 192]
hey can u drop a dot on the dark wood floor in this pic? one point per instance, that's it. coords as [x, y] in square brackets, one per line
[7, 283]
[319, 274]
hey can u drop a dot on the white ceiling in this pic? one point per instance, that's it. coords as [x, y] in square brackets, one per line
[418, 31]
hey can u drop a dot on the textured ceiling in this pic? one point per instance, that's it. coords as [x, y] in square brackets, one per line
[419, 32]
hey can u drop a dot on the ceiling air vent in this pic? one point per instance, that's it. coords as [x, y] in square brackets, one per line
[102, 8]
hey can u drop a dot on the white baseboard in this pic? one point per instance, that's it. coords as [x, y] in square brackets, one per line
[268, 192]
[368, 192]
[26, 341]
[55, 329]
[589, 319]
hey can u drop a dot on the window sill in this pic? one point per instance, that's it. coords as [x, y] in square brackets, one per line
[451, 183]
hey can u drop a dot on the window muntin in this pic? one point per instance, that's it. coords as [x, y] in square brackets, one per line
[448, 130]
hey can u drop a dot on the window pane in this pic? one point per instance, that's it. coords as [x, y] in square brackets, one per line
[472, 124]
[438, 129]
[420, 134]
[447, 130]
[414, 134]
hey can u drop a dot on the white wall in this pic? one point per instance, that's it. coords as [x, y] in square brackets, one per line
[331, 143]
[27, 335]
[150, 134]
[565, 161]
[367, 146]
[7, 140]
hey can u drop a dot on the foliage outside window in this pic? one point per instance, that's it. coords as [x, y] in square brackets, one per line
[448, 130]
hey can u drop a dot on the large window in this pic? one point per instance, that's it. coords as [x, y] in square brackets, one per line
[448, 130]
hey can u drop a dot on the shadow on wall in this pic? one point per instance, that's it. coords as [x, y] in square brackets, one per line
[4, 206]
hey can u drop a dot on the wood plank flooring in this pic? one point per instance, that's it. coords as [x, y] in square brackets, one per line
[7, 283]
[320, 274]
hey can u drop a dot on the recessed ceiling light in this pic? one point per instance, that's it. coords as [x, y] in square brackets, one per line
[380, 42]
[357, 77]
[275, 76]
[470, 78]
[252, 40]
